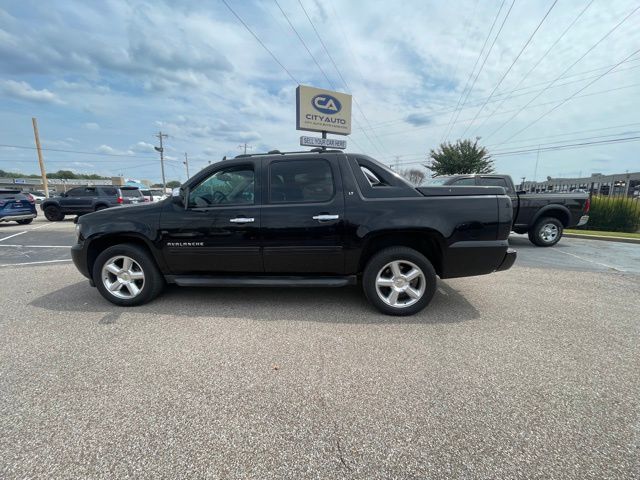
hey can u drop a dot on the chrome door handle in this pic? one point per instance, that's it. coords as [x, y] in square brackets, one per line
[242, 220]
[323, 218]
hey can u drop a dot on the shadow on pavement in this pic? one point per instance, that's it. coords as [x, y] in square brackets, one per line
[329, 305]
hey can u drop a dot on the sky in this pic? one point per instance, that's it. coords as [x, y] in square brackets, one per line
[104, 77]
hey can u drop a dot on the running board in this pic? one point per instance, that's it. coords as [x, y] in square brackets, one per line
[260, 281]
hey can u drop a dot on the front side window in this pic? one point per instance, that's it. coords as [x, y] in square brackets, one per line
[230, 186]
[76, 192]
[295, 181]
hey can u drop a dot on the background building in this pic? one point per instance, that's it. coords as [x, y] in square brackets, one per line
[616, 184]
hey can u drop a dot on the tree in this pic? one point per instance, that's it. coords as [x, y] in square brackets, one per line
[464, 156]
[173, 184]
[414, 175]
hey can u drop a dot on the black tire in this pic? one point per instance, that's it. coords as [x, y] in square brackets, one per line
[53, 213]
[100, 207]
[149, 288]
[546, 232]
[378, 264]
[519, 231]
[26, 221]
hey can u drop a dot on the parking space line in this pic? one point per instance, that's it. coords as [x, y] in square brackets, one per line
[587, 260]
[14, 235]
[34, 263]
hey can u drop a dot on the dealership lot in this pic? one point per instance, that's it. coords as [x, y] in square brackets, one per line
[528, 373]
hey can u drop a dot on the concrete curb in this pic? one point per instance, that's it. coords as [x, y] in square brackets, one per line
[598, 237]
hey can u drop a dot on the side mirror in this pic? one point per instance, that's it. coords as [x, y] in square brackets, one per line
[182, 194]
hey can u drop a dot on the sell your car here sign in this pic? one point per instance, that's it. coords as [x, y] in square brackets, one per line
[319, 110]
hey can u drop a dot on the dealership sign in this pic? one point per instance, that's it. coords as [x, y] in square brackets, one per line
[323, 142]
[320, 110]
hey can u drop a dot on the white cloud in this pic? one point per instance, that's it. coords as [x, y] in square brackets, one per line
[24, 91]
[92, 126]
[142, 147]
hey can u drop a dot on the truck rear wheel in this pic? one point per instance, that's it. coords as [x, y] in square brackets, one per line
[546, 232]
[127, 275]
[399, 281]
[53, 213]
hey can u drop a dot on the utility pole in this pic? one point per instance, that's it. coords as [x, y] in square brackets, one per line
[186, 163]
[522, 184]
[160, 149]
[43, 172]
[397, 165]
[245, 146]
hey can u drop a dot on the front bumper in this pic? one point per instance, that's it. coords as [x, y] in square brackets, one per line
[79, 257]
[13, 218]
[508, 261]
[583, 220]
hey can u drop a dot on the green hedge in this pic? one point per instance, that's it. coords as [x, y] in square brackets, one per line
[614, 214]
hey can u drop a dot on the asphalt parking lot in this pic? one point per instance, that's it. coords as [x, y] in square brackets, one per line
[529, 373]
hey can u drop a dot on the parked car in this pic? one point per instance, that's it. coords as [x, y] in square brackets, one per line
[146, 193]
[81, 200]
[543, 216]
[17, 207]
[37, 195]
[317, 219]
[133, 194]
[158, 194]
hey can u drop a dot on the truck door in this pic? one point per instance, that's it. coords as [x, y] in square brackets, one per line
[303, 216]
[219, 230]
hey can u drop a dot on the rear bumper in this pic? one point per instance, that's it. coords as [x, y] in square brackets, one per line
[470, 258]
[508, 261]
[22, 216]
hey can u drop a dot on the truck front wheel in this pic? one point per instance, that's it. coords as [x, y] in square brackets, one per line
[399, 281]
[546, 232]
[127, 275]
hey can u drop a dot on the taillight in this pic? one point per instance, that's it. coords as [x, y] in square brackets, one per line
[119, 200]
[30, 198]
[587, 206]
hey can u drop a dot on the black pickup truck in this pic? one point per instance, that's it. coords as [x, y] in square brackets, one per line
[305, 219]
[543, 216]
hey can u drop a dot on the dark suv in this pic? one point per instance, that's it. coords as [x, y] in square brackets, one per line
[88, 199]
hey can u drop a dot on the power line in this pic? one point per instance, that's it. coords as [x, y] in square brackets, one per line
[75, 151]
[564, 71]
[260, 42]
[599, 92]
[510, 67]
[304, 44]
[568, 98]
[346, 84]
[448, 108]
[549, 148]
[483, 62]
[544, 55]
[570, 133]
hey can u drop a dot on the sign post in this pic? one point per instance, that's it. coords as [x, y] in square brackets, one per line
[324, 111]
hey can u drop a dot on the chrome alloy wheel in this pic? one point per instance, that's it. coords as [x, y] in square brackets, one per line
[400, 283]
[549, 232]
[123, 277]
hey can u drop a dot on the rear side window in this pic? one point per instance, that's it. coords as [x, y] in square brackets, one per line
[108, 192]
[297, 181]
[494, 182]
[465, 181]
[371, 177]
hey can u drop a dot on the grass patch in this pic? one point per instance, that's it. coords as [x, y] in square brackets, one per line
[605, 234]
